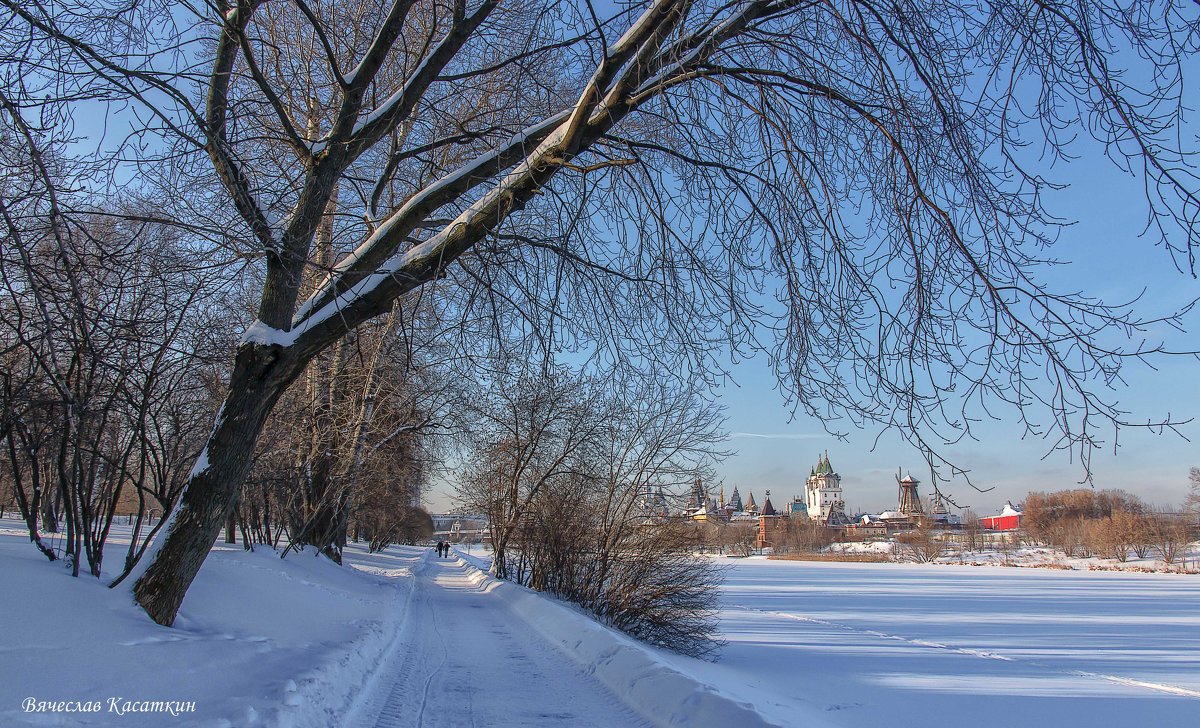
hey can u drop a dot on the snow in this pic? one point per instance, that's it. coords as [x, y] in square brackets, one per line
[260, 333]
[201, 463]
[1008, 510]
[402, 638]
[934, 645]
[260, 640]
[385, 229]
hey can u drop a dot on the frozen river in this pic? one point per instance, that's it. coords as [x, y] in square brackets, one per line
[848, 644]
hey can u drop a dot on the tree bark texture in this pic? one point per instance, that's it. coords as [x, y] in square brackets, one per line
[261, 374]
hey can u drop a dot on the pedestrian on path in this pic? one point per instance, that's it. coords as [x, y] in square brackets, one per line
[439, 549]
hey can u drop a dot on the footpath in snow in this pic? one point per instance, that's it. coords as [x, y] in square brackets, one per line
[475, 651]
[401, 638]
[397, 638]
[464, 659]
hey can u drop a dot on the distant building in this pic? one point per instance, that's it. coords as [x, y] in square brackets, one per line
[910, 499]
[460, 526]
[796, 508]
[700, 506]
[654, 504]
[1008, 520]
[941, 514]
[735, 501]
[770, 526]
[823, 494]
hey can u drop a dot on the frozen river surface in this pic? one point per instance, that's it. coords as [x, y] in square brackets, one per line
[847, 644]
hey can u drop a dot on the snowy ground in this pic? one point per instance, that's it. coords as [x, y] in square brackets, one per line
[259, 640]
[907, 645]
[467, 661]
[403, 639]
[1035, 556]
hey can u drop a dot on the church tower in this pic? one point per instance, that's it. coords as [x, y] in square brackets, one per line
[823, 492]
[735, 501]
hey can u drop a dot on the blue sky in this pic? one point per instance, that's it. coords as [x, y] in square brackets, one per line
[1106, 257]
[1109, 259]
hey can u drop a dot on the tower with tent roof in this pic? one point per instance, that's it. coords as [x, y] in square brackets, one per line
[823, 492]
[735, 501]
[771, 527]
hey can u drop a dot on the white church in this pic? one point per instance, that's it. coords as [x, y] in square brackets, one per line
[823, 493]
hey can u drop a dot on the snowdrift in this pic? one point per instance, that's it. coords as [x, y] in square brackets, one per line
[260, 640]
[630, 669]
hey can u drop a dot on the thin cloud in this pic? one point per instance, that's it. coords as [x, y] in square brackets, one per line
[779, 435]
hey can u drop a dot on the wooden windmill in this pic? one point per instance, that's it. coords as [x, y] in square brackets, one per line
[910, 500]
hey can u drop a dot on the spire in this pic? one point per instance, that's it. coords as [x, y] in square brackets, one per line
[721, 503]
[768, 509]
[751, 506]
[736, 500]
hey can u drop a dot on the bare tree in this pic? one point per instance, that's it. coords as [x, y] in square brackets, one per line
[535, 430]
[972, 531]
[1168, 533]
[1084, 521]
[1191, 504]
[99, 383]
[1005, 544]
[565, 480]
[805, 535]
[923, 544]
[740, 538]
[677, 160]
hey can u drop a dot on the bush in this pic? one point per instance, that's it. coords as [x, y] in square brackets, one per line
[1083, 522]
[739, 538]
[1169, 535]
[802, 535]
[921, 545]
[641, 578]
[661, 593]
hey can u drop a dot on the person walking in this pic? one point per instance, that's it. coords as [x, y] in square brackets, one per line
[439, 549]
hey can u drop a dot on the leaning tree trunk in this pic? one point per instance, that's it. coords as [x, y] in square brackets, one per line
[261, 374]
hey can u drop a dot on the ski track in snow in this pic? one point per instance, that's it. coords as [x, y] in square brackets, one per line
[456, 638]
[982, 654]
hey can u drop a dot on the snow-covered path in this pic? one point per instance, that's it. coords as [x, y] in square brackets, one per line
[464, 659]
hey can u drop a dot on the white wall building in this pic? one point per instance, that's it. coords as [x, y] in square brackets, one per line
[823, 492]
